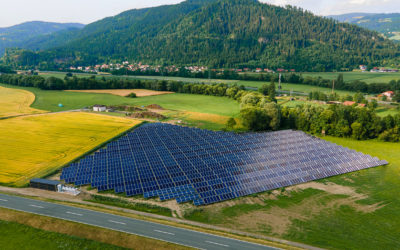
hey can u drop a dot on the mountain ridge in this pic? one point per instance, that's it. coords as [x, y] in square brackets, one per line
[220, 33]
[387, 24]
[18, 35]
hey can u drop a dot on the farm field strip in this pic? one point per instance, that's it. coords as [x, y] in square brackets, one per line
[33, 146]
[14, 102]
[124, 92]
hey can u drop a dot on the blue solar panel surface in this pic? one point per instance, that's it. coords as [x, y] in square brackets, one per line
[190, 164]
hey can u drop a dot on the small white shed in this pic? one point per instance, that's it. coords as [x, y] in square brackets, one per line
[99, 108]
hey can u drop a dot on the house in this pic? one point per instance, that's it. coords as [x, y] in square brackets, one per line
[99, 108]
[363, 67]
[350, 103]
[388, 94]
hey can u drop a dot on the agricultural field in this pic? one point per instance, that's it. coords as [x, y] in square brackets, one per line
[359, 210]
[367, 77]
[49, 100]
[124, 92]
[14, 102]
[37, 145]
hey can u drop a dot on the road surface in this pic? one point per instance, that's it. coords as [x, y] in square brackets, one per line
[128, 225]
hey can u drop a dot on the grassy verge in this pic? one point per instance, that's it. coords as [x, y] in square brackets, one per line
[66, 235]
[129, 205]
[18, 236]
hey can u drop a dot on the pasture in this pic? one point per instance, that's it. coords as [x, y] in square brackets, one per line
[124, 92]
[367, 77]
[34, 146]
[14, 102]
[49, 100]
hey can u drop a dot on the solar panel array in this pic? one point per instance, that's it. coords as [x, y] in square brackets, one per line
[190, 164]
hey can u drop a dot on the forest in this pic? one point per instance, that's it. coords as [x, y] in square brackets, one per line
[217, 34]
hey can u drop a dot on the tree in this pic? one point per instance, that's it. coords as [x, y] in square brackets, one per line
[359, 97]
[264, 89]
[373, 104]
[131, 95]
[273, 112]
[231, 123]
[358, 131]
[272, 90]
[254, 119]
[250, 99]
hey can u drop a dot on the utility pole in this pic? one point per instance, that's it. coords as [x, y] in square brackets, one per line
[333, 87]
[280, 80]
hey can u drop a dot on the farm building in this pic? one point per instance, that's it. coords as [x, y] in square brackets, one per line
[388, 94]
[45, 184]
[99, 108]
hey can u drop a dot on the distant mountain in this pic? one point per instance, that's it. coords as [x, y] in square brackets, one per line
[387, 24]
[217, 33]
[19, 35]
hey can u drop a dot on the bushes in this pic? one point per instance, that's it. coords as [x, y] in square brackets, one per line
[135, 206]
[131, 95]
[341, 121]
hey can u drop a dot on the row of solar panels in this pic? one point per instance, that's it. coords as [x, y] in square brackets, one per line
[154, 160]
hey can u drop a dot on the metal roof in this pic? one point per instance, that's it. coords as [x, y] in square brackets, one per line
[44, 181]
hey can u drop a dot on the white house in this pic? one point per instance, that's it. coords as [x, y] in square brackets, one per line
[99, 108]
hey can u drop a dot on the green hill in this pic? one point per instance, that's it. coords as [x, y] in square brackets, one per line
[387, 24]
[20, 35]
[218, 33]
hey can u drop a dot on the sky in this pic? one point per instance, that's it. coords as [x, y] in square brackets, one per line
[87, 11]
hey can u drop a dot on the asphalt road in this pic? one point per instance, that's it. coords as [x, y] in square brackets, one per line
[128, 225]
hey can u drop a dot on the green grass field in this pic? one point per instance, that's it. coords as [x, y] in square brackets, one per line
[49, 100]
[367, 77]
[18, 236]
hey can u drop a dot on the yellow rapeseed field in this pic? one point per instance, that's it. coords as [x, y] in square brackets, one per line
[34, 146]
[15, 102]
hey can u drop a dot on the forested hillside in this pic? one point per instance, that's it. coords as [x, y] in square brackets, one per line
[20, 35]
[387, 24]
[218, 33]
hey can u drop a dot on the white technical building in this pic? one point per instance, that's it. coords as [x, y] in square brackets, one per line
[99, 108]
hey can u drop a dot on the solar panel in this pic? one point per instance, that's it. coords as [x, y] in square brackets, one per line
[190, 164]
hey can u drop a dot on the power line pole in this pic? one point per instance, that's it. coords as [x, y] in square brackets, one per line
[333, 87]
[280, 80]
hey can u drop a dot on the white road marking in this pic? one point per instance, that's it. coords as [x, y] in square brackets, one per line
[117, 222]
[218, 244]
[36, 206]
[74, 214]
[3, 200]
[164, 232]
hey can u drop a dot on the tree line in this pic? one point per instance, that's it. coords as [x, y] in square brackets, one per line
[260, 114]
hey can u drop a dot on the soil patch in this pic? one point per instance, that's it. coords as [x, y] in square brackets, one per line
[125, 92]
[155, 106]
